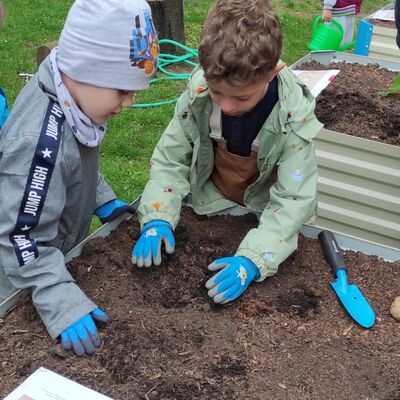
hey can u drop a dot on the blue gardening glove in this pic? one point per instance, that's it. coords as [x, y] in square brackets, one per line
[113, 209]
[82, 335]
[147, 250]
[236, 275]
[4, 110]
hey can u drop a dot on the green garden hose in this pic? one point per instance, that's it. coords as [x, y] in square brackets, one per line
[165, 60]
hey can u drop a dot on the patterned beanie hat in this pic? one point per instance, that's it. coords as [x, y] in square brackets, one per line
[109, 43]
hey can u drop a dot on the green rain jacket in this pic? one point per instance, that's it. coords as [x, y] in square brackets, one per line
[183, 161]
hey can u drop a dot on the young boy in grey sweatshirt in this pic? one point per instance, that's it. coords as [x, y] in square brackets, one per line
[50, 185]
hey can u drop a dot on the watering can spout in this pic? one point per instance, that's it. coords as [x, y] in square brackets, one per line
[327, 36]
[347, 46]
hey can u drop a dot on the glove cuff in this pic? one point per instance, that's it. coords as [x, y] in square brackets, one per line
[100, 210]
[156, 223]
[113, 209]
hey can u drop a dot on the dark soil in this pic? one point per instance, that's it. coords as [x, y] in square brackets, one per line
[352, 103]
[384, 24]
[285, 338]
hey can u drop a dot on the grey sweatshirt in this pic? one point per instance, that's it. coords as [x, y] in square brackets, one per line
[49, 189]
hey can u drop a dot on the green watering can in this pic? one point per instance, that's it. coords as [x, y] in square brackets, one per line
[327, 36]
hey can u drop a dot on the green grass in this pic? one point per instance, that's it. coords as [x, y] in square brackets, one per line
[131, 136]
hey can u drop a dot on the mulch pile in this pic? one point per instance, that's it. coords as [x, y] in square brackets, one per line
[353, 104]
[383, 24]
[285, 338]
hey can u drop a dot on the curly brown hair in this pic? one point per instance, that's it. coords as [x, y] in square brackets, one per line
[241, 41]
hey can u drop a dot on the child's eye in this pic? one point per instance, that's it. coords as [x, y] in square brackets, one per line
[243, 98]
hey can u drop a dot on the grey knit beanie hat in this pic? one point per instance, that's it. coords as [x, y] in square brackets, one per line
[109, 43]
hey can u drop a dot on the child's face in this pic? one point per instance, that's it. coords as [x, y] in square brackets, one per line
[237, 100]
[97, 103]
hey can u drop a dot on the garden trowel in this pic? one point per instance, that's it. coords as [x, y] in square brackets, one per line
[350, 295]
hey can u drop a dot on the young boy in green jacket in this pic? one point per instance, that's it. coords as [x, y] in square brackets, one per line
[242, 133]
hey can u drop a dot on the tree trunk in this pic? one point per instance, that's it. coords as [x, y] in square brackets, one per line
[168, 21]
[43, 51]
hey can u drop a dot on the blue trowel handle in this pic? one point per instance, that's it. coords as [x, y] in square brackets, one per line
[332, 251]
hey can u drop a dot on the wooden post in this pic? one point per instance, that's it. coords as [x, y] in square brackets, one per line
[2, 12]
[43, 51]
[168, 21]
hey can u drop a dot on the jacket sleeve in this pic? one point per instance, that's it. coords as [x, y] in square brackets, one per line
[27, 260]
[329, 4]
[293, 197]
[170, 166]
[104, 193]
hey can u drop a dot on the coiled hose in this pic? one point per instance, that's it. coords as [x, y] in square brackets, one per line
[166, 60]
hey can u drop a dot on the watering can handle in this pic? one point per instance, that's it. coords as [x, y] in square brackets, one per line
[338, 25]
[316, 22]
[333, 21]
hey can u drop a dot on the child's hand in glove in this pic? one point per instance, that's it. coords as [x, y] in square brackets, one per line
[234, 276]
[147, 250]
[82, 335]
[113, 209]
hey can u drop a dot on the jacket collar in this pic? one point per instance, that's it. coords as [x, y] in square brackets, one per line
[46, 82]
[198, 87]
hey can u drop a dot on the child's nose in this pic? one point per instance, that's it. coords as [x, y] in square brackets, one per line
[227, 106]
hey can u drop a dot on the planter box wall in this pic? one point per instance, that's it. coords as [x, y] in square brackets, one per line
[359, 186]
[383, 44]
[378, 41]
[359, 179]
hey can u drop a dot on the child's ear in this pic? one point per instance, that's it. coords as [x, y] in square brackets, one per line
[276, 70]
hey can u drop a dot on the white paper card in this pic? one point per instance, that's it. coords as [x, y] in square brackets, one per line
[316, 81]
[44, 384]
[384, 15]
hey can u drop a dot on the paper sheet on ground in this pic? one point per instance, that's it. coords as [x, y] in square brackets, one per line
[316, 81]
[384, 15]
[44, 384]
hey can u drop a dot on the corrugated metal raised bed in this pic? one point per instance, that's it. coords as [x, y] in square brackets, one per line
[379, 41]
[346, 242]
[359, 187]
[359, 179]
